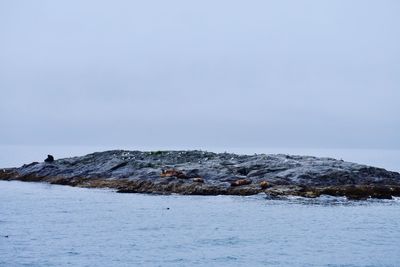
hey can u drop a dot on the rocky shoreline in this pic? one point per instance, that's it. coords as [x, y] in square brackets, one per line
[207, 173]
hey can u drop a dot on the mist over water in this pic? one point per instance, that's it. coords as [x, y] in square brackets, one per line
[252, 73]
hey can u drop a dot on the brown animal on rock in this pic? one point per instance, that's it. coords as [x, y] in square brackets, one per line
[241, 182]
[173, 173]
[264, 184]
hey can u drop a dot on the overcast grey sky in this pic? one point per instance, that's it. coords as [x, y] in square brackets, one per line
[204, 73]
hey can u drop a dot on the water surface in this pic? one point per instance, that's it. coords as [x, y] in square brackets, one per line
[45, 225]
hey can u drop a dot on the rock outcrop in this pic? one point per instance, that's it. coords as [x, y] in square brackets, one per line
[206, 173]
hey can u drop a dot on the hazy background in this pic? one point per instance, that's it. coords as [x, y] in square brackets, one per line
[200, 74]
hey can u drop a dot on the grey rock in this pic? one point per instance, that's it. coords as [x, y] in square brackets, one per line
[136, 171]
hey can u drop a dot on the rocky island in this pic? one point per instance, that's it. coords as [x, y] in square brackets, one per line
[207, 173]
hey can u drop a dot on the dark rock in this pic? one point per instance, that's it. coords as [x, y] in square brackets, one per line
[8, 174]
[30, 164]
[192, 173]
[120, 165]
[198, 180]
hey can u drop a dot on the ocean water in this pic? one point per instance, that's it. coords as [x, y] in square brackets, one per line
[51, 225]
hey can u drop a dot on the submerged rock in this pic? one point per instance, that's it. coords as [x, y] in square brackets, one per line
[206, 173]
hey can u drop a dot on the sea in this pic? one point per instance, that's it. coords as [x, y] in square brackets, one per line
[54, 225]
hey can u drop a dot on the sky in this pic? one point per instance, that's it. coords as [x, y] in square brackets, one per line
[200, 74]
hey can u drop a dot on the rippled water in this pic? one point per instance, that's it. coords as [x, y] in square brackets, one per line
[44, 225]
